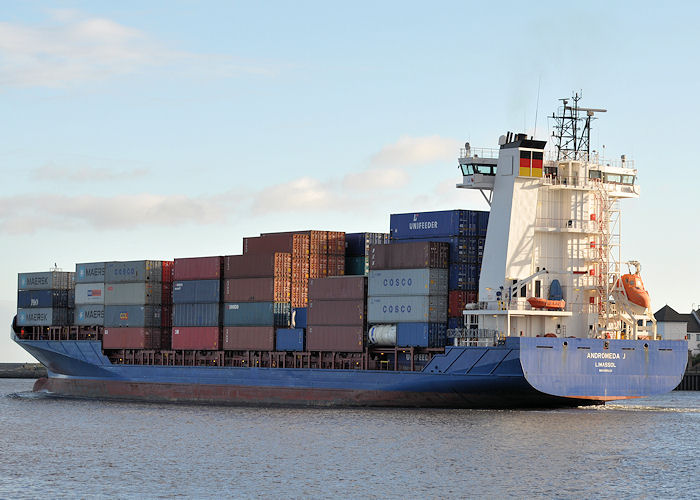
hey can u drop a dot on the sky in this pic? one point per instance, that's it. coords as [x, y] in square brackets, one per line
[154, 130]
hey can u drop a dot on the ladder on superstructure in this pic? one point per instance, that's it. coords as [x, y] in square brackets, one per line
[607, 258]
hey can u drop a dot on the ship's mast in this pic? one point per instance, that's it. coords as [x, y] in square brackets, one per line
[573, 130]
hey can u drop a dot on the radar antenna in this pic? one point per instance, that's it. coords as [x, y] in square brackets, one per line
[572, 130]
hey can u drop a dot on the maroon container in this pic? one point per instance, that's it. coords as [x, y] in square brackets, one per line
[335, 338]
[258, 265]
[131, 338]
[455, 303]
[205, 338]
[167, 271]
[336, 312]
[336, 265]
[336, 243]
[249, 338]
[338, 288]
[198, 268]
[295, 243]
[414, 255]
[257, 289]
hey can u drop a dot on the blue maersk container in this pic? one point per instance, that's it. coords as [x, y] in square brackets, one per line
[196, 292]
[421, 334]
[49, 280]
[300, 317]
[44, 316]
[196, 314]
[289, 339]
[435, 224]
[90, 315]
[42, 298]
[257, 314]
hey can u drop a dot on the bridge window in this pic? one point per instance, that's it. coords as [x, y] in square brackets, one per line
[472, 169]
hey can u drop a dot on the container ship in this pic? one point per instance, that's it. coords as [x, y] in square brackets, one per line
[525, 305]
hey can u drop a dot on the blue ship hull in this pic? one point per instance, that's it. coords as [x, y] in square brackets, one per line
[523, 372]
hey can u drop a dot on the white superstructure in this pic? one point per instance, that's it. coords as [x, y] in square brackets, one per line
[552, 219]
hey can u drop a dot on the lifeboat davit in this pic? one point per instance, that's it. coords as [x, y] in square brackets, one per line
[555, 302]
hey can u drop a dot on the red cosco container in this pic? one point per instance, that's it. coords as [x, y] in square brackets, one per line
[336, 265]
[336, 243]
[167, 271]
[337, 312]
[249, 338]
[198, 268]
[414, 255]
[338, 288]
[196, 337]
[258, 265]
[276, 289]
[295, 243]
[335, 338]
[131, 338]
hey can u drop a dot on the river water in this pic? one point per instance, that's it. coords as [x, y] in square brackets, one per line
[55, 448]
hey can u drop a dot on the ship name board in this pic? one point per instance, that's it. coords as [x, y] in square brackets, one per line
[605, 366]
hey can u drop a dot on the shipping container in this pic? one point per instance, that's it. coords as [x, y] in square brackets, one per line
[42, 298]
[131, 338]
[457, 299]
[338, 288]
[463, 277]
[357, 244]
[455, 322]
[136, 294]
[133, 271]
[205, 338]
[289, 339]
[274, 289]
[407, 309]
[257, 314]
[295, 243]
[483, 223]
[196, 291]
[130, 315]
[50, 280]
[421, 334]
[197, 314]
[336, 265]
[337, 312]
[198, 268]
[407, 282]
[435, 224]
[299, 315]
[90, 272]
[336, 243]
[44, 316]
[89, 293]
[249, 338]
[90, 315]
[166, 274]
[413, 255]
[335, 338]
[258, 265]
[357, 266]
[166, 292]
[463, 249]
[166, 315]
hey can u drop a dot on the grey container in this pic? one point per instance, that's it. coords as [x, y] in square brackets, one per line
[89, 293]
[49, 280]
[138, 316]
[44, 316]
[133, 271]
[90, 272]
[257, 314]
[89, 315]
[407, 309]
[393, 282]
[135, 294]
[197, 314]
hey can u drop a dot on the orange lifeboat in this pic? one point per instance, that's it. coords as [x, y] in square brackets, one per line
[552, 305]
[634, 290]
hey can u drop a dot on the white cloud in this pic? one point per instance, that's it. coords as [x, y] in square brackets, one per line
[51, 172]
[75, 48]
[26, 215]
[417, 151]
[303, 194]
[376, 178]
